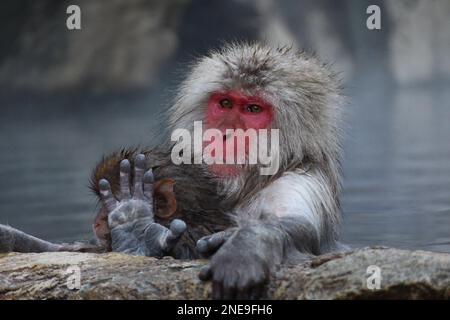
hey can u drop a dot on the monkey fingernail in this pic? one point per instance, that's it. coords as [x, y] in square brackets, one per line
[178, 227]
[125, 179]
[104, 185]
[148, 185]
[139, 161]
[125, 166]
[202, 246]
[106, 195]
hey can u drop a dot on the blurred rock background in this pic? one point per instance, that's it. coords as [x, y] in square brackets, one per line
[123, 44]
[67, 97]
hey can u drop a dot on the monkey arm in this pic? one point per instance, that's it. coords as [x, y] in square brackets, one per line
[302, 236]
[306, 206]
[286, 223]
[13, 240]
[157, 238]
[242, 266]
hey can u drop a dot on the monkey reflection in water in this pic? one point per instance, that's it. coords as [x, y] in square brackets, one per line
[248, 224]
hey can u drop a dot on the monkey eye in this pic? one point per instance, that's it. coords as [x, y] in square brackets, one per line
[253, 108]
[226, 103]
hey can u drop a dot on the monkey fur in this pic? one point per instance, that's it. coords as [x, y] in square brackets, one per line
[248, 224]
[191, 197]
[294, 214]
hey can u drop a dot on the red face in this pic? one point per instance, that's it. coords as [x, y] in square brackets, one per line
[234, 110]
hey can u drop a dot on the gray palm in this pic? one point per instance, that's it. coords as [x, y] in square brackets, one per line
[131, 217]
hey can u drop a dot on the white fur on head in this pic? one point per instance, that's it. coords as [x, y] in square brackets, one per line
[303, 92]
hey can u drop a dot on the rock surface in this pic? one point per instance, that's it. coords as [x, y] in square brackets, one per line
[121, 44]
[404, 275]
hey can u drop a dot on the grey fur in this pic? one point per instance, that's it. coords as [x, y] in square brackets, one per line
[307, 102]
[306, 96]
[305, 93]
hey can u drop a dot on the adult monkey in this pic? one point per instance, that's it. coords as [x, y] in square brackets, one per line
[282, 218]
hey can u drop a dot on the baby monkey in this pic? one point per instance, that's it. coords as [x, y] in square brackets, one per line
[142, 215]
[170, 209]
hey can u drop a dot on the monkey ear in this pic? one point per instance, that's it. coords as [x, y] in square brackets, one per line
[166, 203]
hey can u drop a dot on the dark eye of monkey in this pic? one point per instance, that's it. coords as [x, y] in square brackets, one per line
[226, 103]
[253, 108]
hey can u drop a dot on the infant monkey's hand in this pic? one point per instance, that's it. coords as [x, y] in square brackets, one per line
[131, 217]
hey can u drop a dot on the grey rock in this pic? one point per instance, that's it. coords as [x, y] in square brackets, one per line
[404, 275]
[121, 45]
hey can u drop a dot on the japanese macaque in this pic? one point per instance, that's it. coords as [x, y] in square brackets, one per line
[247, 223]
[295, 213]
[286, 217]
[170, 208]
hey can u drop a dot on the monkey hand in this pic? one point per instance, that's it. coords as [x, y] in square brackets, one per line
[236, 273]
[208, 245]
[131, 219]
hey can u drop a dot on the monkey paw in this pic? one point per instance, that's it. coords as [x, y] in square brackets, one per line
[131, 219]
[209, 245]
[236, 274]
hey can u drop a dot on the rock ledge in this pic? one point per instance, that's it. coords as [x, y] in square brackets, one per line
[404, 275]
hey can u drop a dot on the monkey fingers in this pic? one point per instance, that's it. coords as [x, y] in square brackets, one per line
[236, 274]
[125, 179]
[131, 220]
[143, 183]
[208, 245]
[139, 168]
[177, 228]
[106, 195]
[232, 286]
[160, 241]
[148, 185]
[130, 207]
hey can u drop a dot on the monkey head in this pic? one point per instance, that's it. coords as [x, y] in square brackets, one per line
[253, 86]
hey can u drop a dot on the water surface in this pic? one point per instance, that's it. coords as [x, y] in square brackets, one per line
[396, 164]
